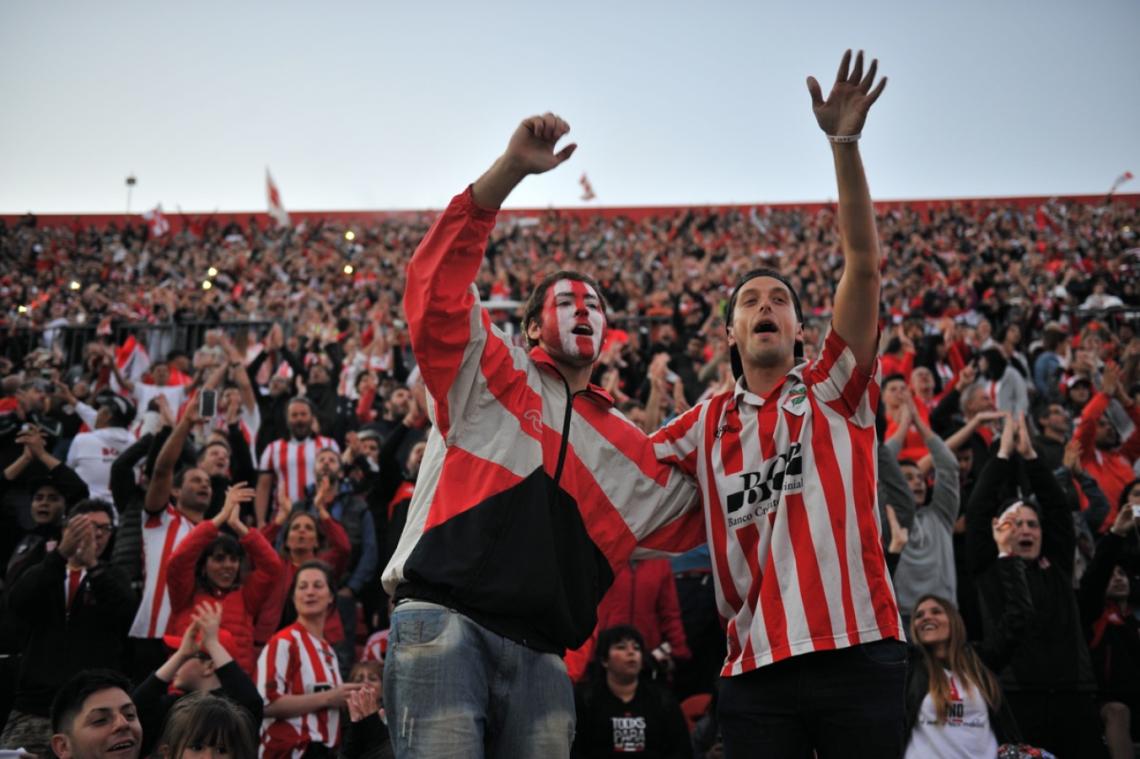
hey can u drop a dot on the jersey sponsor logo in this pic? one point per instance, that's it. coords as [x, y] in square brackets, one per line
[760, 490]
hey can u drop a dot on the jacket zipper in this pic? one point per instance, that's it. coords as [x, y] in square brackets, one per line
[565, 431]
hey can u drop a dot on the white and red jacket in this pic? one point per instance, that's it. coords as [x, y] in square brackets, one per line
[527, 498]
[788, 484]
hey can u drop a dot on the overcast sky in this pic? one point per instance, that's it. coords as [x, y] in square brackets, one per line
[398, 105]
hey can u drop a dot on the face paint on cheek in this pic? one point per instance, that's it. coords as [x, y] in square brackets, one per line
[561, 316]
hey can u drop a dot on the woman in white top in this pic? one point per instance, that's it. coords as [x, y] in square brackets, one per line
[954, 704]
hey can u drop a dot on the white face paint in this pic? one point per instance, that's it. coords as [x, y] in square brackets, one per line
[573, 320]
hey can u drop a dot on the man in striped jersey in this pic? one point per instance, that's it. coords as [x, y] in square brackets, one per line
[291, 463]
[175, 502]
[786, 466]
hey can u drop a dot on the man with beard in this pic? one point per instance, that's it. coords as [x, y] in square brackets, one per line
[290, 463]
[532, 488]
[337, 495]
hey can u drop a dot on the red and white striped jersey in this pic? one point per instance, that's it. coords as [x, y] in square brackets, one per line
[161, 533]
[294, 663]
[788, 485]
[294, 462]
[376, 649]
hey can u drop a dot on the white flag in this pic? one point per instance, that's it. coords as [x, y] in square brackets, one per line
[276, 209]
[156, 221]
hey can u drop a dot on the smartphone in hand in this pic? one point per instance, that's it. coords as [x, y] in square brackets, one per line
[207, 403]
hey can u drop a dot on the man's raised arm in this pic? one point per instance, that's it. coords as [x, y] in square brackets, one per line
[530, 151]
[446, 330]
[841, 117]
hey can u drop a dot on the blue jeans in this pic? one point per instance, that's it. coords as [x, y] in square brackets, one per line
[845, 703]
[455, 689]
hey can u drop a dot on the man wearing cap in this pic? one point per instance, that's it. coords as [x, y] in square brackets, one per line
[786, 467]
[52, 495]
[92, 453]
[201, 662]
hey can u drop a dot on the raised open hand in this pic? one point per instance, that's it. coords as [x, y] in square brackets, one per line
[531, 149]
[845, 110]
[1110, 381]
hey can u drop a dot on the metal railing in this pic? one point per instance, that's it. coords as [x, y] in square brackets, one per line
[71, 340]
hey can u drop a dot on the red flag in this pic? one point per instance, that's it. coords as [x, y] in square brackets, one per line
[156, 221]
[587, 188]
[133, 361]
[276, 209]
[1125, 177]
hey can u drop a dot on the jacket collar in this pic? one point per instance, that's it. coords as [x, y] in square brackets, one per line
[592, 391]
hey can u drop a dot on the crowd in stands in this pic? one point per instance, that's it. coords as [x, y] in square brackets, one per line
[192, 529]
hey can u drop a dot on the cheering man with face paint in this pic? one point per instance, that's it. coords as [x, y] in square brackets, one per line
[786, 466]
[532, 488]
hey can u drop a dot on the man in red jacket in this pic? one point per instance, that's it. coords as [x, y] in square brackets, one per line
[1103, 456]
[533, 488]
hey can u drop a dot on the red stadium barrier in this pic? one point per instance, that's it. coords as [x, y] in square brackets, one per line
[636, 213]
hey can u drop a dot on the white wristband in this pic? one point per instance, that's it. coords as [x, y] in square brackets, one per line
[844, 138]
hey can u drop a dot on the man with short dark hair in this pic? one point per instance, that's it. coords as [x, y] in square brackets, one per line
[786, 466]
[532, 488]
[1056, 430]
[336, 494]
[93, 717]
